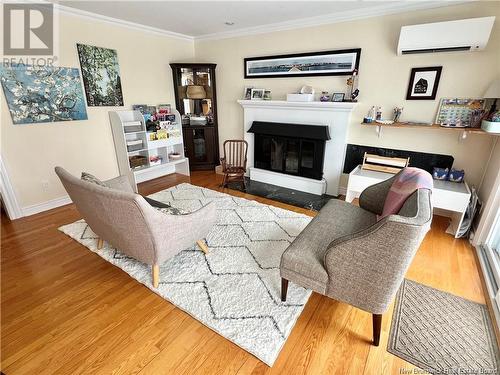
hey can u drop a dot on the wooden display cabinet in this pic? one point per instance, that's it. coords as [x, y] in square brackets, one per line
[196, 100]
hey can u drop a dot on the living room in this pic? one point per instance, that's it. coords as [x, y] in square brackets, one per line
[250, 187]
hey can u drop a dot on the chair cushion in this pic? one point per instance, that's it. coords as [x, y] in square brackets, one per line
[305, 256]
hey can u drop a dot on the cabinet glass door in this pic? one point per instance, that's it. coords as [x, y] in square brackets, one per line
[199, 145]
[196, 94]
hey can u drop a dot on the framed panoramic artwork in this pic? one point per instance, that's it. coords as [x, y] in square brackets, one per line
[423, 83]
[37, 94]
[326, 63]
[101, 76]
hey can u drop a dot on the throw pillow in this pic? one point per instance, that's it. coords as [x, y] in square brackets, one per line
[171, 210]
[92, 179]
[164, 207]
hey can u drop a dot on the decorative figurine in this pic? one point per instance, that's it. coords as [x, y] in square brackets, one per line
[325, 97]
[397, 113]
[370, 117]
[352, 83]
[354, 95]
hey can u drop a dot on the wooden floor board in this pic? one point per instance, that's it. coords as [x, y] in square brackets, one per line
[66, 310]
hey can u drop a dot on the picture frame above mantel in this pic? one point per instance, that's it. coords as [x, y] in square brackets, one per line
[323, 63]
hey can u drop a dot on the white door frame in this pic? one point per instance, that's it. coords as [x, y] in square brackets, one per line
[8, 195]
[488, 215]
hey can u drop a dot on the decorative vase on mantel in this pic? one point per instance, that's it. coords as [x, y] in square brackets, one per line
[325, 97]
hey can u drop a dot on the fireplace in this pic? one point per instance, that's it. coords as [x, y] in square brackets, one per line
[284, 118]
[291, 149]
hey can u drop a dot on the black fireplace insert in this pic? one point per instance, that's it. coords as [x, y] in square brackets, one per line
[293, 149]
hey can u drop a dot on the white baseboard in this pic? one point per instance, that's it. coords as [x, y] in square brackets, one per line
[44, 206]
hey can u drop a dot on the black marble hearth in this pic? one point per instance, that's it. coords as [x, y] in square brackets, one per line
[283, 195]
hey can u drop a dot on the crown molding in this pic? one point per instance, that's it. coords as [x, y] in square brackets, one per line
[376, 11]
[117, 22]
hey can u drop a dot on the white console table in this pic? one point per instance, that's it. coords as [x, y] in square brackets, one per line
[449, 196]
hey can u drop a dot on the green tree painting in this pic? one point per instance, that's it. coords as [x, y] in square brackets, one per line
[101, 75]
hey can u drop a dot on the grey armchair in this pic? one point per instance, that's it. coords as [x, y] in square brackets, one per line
[124, 219]
[346, 254]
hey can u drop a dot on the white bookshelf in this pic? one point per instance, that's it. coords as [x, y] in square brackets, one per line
[132, 140]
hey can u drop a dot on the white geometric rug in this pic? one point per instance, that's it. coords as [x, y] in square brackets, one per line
[235, 288]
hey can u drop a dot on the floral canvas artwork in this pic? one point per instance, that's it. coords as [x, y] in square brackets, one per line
[37, 94]
[101, 75]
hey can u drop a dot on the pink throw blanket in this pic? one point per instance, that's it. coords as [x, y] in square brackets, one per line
[404, 185]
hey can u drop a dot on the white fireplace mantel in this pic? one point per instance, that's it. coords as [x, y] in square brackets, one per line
[315, 106]
[336, 115]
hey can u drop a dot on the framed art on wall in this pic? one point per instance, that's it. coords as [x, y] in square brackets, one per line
[326, 63]
[38, 94]
[101, 76]
[423, 83]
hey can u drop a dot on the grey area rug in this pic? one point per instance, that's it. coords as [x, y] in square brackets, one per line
[442, 333]
[235, 288]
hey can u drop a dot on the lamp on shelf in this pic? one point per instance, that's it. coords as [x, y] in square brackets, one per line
[196, 92]
[491, 123]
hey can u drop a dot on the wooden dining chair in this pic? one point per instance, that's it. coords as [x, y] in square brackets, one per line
[234, 162]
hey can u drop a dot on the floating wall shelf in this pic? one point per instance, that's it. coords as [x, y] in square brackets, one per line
[401, 125]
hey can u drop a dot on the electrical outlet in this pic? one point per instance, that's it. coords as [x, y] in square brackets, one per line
[45, 185]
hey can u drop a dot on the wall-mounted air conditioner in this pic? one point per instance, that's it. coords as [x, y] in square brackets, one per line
[461, 35]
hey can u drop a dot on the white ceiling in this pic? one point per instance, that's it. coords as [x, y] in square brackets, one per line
[206, 18]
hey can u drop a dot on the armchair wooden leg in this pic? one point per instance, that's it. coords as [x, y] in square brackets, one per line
[203, 246]
[377, 326]
[284, 289]
[100, 243]
[156, 275]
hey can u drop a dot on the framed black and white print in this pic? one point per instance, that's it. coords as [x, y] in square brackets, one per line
[326, 63]
[423, 83]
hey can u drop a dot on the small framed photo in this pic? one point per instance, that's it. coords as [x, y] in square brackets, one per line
[257, 94]
[423, 83]
[247, 95]
[338, 97]
[267, 94]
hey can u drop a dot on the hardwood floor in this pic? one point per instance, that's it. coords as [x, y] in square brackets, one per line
[66, 310]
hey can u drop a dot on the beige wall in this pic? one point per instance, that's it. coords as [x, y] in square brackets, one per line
[383, 78]
[30, 152]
